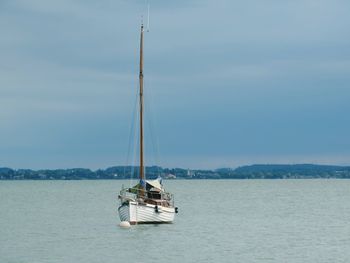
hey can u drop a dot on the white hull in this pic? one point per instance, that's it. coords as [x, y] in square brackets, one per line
[136, 213]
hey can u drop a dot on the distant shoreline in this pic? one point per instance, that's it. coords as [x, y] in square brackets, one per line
[256, 171]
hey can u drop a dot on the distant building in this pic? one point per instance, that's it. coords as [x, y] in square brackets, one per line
[170, 176]
[190, 173]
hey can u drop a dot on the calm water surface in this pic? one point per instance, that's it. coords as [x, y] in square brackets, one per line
[218, 221]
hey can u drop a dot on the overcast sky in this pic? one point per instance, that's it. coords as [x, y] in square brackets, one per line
[227, 83]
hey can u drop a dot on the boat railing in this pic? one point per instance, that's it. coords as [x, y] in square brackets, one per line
[133, 193]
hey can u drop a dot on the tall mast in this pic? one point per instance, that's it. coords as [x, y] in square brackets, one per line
[142, 176]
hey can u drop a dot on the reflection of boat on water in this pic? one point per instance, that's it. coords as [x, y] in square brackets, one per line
[146, 202]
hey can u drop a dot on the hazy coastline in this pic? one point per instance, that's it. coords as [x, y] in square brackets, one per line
[257, 171]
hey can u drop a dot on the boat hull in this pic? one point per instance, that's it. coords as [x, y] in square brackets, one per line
[136, 213]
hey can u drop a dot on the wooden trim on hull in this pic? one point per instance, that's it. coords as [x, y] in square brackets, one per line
[149, 223]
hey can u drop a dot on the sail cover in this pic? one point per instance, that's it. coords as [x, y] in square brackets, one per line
[151, 185]
[155, 184]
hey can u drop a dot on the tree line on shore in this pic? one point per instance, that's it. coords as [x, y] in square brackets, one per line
[258, 171]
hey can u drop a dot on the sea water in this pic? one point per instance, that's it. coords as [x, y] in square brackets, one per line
[218, 221]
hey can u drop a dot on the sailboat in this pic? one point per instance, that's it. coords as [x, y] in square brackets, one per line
[146, 202]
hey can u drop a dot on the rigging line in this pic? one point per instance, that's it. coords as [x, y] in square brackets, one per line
[137, 144]
[154, 139]
[133, 145]
[152, 122]
[147, 6]
[134, 132]
[137, 168]
[148, 17]
[131, 135]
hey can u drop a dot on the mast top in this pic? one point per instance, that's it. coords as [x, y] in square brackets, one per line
[142, 22]
[142, 27]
